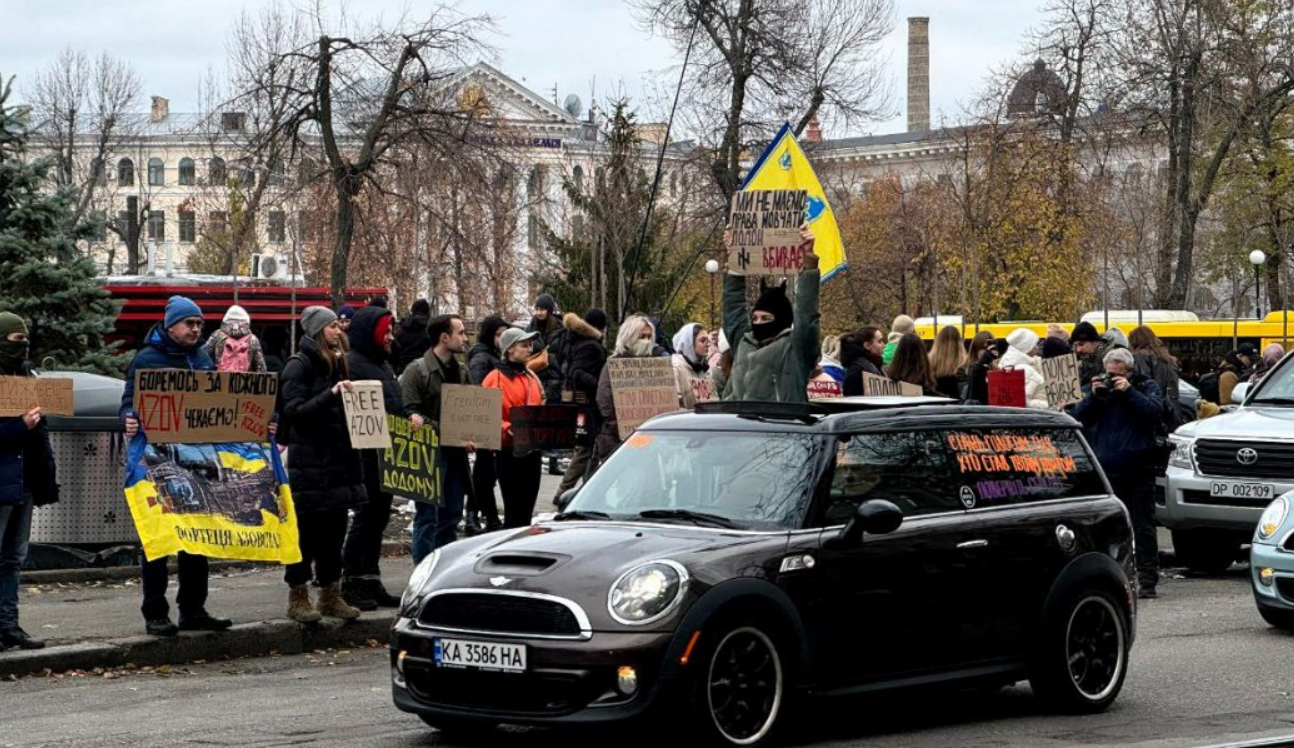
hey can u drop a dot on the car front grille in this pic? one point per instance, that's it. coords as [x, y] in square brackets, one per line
[501, 613]
[540, 693]
[1275, 460]
[1285, 586]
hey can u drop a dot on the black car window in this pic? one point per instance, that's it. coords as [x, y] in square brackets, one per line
[758, 481]
[997, 467]
[909, 469]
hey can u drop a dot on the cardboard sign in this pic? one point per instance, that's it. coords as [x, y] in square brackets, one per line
[472, 415]
[20, 394]
[540, 427]
[765, 227]
[1006, 388]
[642, 388]
[409, 467]
[874, 386]
[204, 407]
[825, 390]
[366, 415]
[1061, 373]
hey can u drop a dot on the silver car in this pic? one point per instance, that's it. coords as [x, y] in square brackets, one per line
[1225, 470]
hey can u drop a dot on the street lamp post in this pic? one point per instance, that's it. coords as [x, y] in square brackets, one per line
[712, 267]
[1257, 258]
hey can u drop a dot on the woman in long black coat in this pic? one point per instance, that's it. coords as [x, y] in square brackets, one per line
[325, 472]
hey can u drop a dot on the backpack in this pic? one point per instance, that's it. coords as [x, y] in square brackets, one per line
[235, 354]
[1208, 387]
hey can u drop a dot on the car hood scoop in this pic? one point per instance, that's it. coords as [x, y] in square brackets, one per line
[528, 564]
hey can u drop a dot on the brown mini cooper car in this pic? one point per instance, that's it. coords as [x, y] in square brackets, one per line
[727, 562]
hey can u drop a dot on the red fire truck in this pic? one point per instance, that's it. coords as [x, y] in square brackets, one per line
[274, 306]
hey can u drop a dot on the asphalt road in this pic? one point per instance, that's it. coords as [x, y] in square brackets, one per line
[1205, 671]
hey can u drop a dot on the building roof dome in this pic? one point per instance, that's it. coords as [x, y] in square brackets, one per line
[1038, 91]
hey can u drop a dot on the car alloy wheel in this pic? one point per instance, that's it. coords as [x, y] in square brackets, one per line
[1094, 647]
[744, 688]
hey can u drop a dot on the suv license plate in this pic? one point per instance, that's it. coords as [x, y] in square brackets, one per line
[463, 653]
[1255, 491]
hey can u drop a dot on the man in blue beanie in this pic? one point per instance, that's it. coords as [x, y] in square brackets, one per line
[176, 343]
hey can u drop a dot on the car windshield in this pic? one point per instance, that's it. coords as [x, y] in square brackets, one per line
[1277, 388]
[750, 481]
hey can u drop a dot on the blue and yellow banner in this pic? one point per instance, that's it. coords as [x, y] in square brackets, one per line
[783, 166]
[218, 500]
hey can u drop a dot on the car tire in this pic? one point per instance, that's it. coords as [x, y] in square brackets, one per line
[1205, 551]
[739, 690]
[459, 728]
[1281, 619]
[1082, 652]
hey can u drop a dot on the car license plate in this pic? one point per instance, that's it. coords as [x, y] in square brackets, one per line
[463, 653]
[1255, 491]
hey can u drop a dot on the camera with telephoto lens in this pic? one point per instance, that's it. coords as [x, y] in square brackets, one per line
[1106, 387]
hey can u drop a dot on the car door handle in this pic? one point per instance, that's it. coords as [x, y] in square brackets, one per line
[972, 544]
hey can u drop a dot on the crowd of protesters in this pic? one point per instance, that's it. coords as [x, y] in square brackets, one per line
[769, 352]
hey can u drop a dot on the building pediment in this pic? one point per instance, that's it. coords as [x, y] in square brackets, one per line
[502, 100]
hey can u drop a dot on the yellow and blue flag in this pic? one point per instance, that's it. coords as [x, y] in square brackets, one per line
[783, 166]
[217, 500]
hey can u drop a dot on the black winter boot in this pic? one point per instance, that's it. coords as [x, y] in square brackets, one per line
[356, 593]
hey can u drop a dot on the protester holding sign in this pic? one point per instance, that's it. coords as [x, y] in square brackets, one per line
[911, 365]
[326, 474]
[370, 336]
[482, 513]
[176, 343]
[518, 475]
[635, 340]
[421, 384]
[27, 480]
[692, 366]
[773, 355]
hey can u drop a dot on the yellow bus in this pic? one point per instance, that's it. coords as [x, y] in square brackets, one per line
[1198, 344]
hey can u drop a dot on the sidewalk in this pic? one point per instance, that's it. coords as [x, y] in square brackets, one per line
[96, 623]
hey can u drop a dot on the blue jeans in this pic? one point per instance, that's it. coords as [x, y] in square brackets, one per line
[436, 526]
[15, 530]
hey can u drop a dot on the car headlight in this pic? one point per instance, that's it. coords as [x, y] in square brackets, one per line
[414, 591]
[1272, 518]
[1182, 456]
[647, 592]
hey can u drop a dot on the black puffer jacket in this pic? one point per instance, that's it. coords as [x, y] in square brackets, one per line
[367, 359]
[483, 356]
[581, 356]
[324, 471]
[26, 458]
[411, 340]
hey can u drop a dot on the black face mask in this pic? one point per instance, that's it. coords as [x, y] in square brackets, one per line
[768, 330]
[13, 353]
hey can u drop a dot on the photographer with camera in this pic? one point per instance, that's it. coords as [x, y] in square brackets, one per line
[1120, 415]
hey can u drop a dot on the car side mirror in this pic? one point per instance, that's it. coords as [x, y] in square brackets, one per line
[874, 517]
[1240, 392]
[565, 499]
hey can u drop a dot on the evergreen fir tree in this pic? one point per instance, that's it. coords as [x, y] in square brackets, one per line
[44, 277]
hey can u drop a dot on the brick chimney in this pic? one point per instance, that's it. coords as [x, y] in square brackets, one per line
[161, 109]
[918, 74]
[813, 131]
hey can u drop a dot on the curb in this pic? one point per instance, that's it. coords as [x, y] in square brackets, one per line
[259, 639]
[111, 573]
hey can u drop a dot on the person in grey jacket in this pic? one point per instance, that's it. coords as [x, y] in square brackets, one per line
[776, 347]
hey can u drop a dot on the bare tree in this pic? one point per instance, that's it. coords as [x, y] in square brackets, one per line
[84, 110]
[367, 93]
[755, 63]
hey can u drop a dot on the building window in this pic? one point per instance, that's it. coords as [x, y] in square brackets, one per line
[123, 224]
[99, 230]
[307, 170]
[248, 177]
[97, 173]
[188, 226]
[277, 229]
[188, 172]
[216, 172]
[125, 173]
[156, 172]
[232, 121]
[278, 174]
[157, 225]
[577, 177]
[217, 222]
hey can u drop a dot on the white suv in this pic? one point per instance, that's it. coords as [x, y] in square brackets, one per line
[1225, 470]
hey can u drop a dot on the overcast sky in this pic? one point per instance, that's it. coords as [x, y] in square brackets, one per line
[564, 43]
